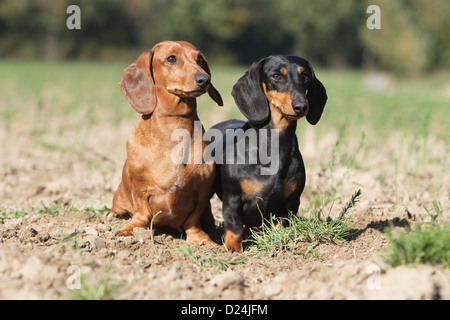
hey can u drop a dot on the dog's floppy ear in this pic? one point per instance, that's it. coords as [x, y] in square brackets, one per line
[138, 85]
[317, 97]
[213, 93]
[249, 96]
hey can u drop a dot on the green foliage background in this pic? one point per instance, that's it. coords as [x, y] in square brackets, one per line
[414, 36]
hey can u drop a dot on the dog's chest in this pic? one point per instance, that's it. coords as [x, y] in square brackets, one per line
[178, 178]
[177, 195]
[269, 190]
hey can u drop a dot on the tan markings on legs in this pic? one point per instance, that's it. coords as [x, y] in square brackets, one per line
[233, 241]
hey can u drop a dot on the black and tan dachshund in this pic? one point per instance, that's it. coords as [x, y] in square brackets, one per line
[275, 93]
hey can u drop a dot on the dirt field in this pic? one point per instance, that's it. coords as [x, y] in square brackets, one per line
[55, 185]
[35, 260]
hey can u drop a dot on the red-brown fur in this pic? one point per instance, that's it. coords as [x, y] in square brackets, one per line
[152, 186]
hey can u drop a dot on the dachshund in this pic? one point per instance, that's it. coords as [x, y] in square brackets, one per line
[273, 95]
[162, 85]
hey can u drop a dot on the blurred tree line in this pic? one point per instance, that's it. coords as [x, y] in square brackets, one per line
[414, 34]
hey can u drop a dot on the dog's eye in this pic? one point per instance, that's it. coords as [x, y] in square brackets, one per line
[306, 76]
[171, 59]
[276, 76]
[200, 61]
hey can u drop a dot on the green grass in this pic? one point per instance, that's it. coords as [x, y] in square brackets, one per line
[210, 262]
[59, 104]
[424, 244]
[65, 89]
[273, 238]
[427, 243]
[435, 217]
[413, 104]
[12, 214]
[91, 89]
[49, 209]
[103, 288]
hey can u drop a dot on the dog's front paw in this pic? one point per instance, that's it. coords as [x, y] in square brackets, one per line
[199, 236]
[124, 233]
[127, 230]
[125, 215]
[233, 242]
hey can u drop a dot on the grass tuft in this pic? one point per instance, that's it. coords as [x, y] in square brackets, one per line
[12, 214]
[438, 209]
[51, 210]
[274, 238]
[428, 243]
[210, 262]
[104, 288]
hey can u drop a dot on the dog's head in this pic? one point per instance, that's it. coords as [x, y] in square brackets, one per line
[280, 86]
[175, 66]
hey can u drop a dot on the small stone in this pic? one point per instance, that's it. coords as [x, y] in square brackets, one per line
[44, 236]
[28, 233]
[91, 231]
[141, 234]
[123, 255]
[93, 242]
[227, 279]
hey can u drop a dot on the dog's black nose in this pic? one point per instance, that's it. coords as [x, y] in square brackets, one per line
[202, 79]
[300, 106]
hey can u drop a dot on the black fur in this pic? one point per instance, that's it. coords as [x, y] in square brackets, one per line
[279, 193]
